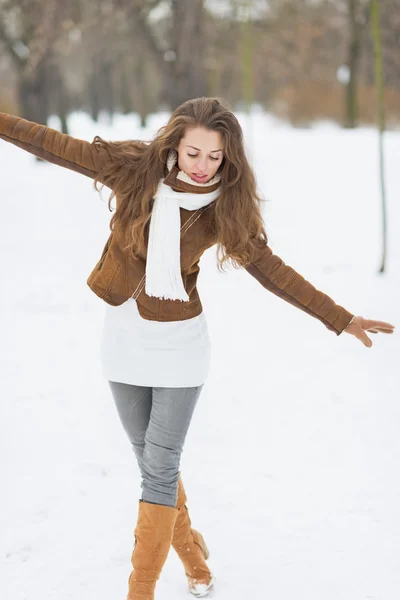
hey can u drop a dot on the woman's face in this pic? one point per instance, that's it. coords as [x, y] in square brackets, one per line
[200, 153]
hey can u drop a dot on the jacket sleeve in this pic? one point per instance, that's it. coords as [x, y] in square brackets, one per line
[283, 281]
[51, 145]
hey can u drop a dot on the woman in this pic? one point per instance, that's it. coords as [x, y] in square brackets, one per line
[189, 188]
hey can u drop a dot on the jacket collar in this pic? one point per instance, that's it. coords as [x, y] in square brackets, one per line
[182, 186]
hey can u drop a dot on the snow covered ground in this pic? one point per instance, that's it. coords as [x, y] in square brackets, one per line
[292, 459]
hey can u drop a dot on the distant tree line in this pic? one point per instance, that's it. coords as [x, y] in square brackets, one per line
[301, 59]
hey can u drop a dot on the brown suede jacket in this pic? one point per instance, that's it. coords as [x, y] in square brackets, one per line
[117, 276]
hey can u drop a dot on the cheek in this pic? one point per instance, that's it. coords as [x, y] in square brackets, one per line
[183, 163]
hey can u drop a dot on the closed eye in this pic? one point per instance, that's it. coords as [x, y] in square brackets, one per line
[195, 156]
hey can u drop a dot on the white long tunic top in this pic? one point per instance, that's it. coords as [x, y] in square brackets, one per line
[137, 351]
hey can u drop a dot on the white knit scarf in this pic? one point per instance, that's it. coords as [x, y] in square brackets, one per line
[163, 264]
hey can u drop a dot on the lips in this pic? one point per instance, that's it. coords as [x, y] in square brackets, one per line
[199, 177]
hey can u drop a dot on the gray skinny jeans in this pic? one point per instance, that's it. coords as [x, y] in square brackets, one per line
[156, 420]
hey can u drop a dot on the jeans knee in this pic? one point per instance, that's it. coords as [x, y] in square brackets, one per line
[160, 463]
[138, 449]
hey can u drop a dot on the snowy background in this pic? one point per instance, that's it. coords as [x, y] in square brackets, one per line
[291, 463]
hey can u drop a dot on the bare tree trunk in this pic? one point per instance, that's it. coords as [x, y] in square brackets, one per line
[107, 86]
[32, 94]
[376, 33]
[247, 57]
[143, 101]
[188, 78]
[181, 62]
[93, 91]
[124, 95]
[351, 117]
[63, 107]
[30, 44]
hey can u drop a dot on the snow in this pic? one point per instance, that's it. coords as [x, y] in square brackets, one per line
[291, 461]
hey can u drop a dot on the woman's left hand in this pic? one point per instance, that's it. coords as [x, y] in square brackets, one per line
[359, 326]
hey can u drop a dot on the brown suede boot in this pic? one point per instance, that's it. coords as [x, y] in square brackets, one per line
[191, 549]
[153, 536]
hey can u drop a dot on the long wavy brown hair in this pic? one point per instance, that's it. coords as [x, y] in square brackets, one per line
[135, 168]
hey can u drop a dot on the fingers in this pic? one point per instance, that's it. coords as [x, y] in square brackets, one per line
[359, 326]
[366, 340]
[379, 326]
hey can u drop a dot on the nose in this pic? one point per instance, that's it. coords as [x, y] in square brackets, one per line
[201, 166]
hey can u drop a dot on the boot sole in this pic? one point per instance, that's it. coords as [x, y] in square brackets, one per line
[204, 591]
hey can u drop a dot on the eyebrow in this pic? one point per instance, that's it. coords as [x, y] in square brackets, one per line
[194, 148]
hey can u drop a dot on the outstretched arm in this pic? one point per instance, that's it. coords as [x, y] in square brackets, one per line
[51, 145]
[283, 281]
